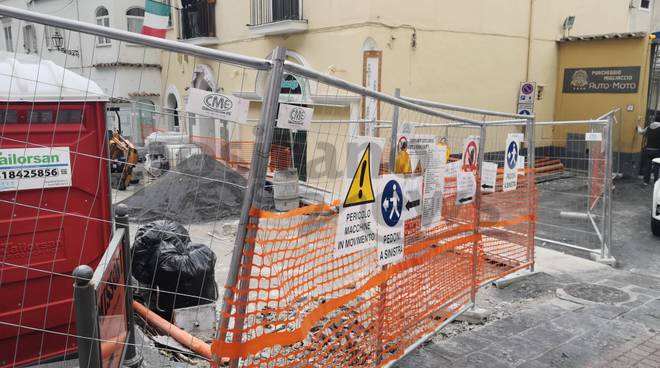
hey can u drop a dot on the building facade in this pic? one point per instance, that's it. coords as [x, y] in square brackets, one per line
[129, 74]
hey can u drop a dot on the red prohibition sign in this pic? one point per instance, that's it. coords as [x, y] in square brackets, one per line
[470, 154]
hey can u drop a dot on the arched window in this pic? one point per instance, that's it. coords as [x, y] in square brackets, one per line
[134, 19]
[102, 19]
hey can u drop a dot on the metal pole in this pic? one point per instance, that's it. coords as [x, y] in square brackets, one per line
[253, 197]
[437, 105]
[477, 218]
[395, 130]
[132, 358]
[363, 91]
[607, 235]
[84, 299]
[530, 128]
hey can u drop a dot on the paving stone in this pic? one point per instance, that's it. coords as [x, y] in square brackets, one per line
[628, 278]
[579, 321]
[517, 323]
[515, 350]
[533, 364]
[637, 302]
[642, 290]
[606, 311]
[612, 283]
[458, 347]
[422, 358]
[480, 360]
[548, 335]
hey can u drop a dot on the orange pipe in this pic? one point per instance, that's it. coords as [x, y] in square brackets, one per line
[183, 337]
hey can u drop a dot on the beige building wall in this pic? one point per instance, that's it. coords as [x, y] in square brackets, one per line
[465, 53]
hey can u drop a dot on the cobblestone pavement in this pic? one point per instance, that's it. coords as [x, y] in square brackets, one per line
[540, 325]
[537, 323]
[640, 353]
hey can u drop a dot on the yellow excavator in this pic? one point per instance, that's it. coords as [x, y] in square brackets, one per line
[124, 157]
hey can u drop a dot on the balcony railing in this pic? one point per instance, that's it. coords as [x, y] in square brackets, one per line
[277, 16]
[197, 19]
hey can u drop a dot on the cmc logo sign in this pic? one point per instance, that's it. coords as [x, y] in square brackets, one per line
[218, 103]
[297, 116]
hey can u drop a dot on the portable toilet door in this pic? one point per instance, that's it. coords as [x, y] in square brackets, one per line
[55, 205]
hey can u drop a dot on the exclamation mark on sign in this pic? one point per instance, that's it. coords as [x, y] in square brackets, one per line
[364, 171]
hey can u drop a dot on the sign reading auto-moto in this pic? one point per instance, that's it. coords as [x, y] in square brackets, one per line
[294, 117]
[216, 105]
[623, 79]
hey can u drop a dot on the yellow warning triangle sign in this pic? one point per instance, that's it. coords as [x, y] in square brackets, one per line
[361, 190]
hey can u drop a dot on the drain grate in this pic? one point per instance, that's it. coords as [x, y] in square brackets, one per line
[597, 293]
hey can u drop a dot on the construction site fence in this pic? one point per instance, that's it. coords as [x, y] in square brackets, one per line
[573, 162]
[290, 298]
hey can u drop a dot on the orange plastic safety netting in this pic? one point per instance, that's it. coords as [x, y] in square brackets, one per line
[300, 304]
[507, 228]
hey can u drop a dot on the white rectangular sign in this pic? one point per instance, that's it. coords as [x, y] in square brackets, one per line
[34, 168]
[294, 117]
[356, 224]
[216, 105]
[466, 187]
[488, 177]
[593, 137]
[391, 202]
[453, 168]
[434, 187]
[417, 145]
[511, 157]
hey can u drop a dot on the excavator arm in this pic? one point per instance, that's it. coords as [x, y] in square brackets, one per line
[121, 147]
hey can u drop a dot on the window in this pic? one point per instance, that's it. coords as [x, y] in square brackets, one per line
[29, 39]
[40, 117]
[8, 116]
[9, 40]
[134, 19]
[197, 18]
[268, 11]
[103, 19]
[69, 117]
[645, 4]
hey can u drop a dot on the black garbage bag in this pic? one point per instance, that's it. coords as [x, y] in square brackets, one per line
[176, 273]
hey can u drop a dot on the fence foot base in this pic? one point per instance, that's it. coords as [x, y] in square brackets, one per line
[475, 316]
[133, 362]
[514, 277]
[611, 261]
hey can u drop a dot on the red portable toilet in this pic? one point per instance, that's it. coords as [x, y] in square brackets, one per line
[55, 205]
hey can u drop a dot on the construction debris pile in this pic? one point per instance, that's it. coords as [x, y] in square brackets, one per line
[199, 189]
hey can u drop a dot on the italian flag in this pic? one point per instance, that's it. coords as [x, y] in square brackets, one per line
[156, 16]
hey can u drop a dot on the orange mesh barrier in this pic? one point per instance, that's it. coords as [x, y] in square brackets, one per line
[302, 305]
[507, 229]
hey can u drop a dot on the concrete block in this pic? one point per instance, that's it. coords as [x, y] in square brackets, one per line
[512, 278]
[476, 316]
[611, 261]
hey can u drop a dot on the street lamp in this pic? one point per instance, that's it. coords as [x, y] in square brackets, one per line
[58, 42]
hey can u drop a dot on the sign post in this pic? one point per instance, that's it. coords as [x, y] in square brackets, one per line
[526, 98]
